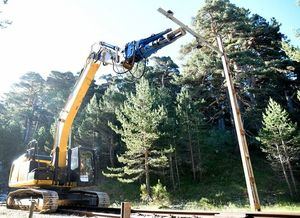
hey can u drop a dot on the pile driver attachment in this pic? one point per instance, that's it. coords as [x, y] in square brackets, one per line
[136, 51]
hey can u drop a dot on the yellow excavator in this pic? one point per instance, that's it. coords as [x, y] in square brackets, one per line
[57, 180]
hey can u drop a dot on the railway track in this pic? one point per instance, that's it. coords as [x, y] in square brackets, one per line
[127, 212]
[199, 214]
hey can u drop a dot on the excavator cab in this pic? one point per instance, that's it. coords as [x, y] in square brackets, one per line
[83, 166]
[81, 169]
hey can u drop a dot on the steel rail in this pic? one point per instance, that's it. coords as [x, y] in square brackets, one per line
[216, 213]
[181, 213]
[175, 212]
[88, 213]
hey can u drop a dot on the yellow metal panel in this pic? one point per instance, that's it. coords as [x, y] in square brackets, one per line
[30, 183]
[37, 183]
[44, 161]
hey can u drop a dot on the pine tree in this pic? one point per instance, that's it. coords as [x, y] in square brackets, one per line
[58, 86]
[109, 101]
[278, 136]
[89, 128]
[292, 51]
[279, 73]
[259, 66]
[140, 118]
[94, 130]
[167, 97]
[190, 124]
[10, 139]
[44, 139]
[203, 69]
[25, 103]
[162, 72]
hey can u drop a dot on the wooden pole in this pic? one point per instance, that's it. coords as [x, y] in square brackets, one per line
[249, 176]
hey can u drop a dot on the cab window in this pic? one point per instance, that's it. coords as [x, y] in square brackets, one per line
[86, 166]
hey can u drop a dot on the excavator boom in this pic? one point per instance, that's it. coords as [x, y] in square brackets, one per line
[134, 52]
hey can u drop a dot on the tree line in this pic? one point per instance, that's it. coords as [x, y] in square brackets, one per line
[173, 123]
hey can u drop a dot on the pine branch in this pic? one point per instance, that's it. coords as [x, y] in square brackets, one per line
[129, 180]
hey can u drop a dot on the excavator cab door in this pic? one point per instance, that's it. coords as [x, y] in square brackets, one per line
[83, 164]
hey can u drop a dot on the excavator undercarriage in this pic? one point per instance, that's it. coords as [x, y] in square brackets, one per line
[50, 187]
[47, 201]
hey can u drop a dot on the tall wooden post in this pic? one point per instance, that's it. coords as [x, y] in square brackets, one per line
[248, 172]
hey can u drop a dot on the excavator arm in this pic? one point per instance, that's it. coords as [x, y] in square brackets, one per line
[68, 113]
[105, 53]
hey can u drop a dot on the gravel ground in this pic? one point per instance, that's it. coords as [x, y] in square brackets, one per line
[9, 213]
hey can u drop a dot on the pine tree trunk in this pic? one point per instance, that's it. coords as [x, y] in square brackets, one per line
[147, 174]
[292, 176]
[27, 130]
[191, 152]
[163, 80]
[172, 171]
[289, 166]
[284, 171]
[176, 167]
[199, 158]
[36, 127]
[94, 141]
[289, 102]
[252, 95]
[29, 121]
[111, 152]
[221, 124]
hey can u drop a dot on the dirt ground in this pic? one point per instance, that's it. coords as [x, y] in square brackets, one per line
[8, 213]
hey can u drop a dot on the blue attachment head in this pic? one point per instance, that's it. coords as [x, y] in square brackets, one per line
[133, 50]
[136, 51]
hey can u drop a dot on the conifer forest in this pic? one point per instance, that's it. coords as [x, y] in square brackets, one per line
[165, 133]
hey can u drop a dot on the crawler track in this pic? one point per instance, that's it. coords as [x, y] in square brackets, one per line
[48, 201]
[45, 200]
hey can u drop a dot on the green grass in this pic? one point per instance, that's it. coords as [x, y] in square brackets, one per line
[282, 207]
[222, 188]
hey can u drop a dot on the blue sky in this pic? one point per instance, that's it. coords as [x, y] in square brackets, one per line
[57, 34]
